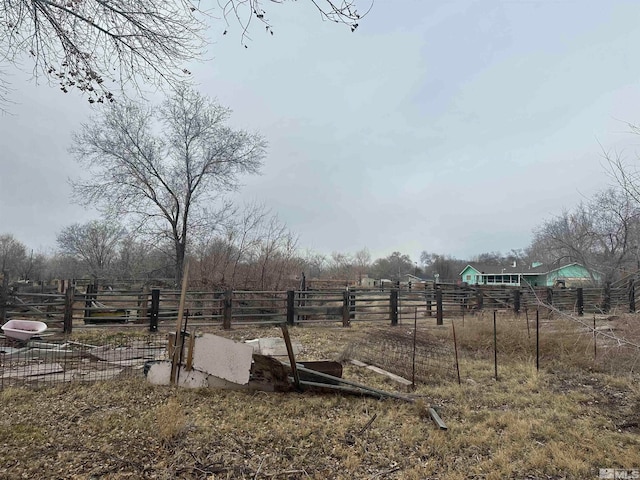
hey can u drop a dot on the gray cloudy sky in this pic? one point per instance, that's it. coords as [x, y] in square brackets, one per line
[452, 126]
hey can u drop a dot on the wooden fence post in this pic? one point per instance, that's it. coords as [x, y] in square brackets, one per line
[67, 324]
[228, 308]
[479, 299]
[580, 301]
[155, 310]
[439, 310]
[291, 295]
[549, 296]
[345, 308]
[393, 307]
[516, 301]
[632, 295]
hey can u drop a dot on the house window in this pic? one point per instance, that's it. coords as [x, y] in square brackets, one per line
[468, 277]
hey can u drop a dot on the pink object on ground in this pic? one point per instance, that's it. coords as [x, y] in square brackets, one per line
[23, 329]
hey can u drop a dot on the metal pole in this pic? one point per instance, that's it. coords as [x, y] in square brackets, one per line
[537, 340]
[595, 343]
[455, 347]
[415, 333]
[495, 345]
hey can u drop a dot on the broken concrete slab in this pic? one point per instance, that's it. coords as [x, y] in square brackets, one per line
[273, 346]
[160, 374]
[32, 370]
[223, 358]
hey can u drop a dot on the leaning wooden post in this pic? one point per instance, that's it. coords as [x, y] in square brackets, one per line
[393, 307]
[580, 301]
[67, 325]
[227, 309]
[291, 295]
[155, 310]
[178, 338]
[439, 309]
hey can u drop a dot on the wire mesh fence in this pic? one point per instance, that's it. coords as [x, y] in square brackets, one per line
[393, 348]
[39, 362]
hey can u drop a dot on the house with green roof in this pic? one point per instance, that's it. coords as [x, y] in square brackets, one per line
[535, 275]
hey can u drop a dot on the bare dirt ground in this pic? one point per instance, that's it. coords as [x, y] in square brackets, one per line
[574, 416]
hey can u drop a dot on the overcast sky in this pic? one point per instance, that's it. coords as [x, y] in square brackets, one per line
[450, 126]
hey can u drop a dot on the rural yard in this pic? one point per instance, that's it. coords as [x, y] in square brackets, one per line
[573, 417]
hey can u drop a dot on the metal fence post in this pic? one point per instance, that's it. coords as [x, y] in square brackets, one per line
[155, 310]
[439, 309]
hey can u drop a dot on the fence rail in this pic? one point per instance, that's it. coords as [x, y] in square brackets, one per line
[157, 307]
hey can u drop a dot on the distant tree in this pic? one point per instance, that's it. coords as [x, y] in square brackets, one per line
[362, 262]
[314, 264]
[164, 167]
[94, 243]
[446, 267]
[12, 254]
[601, 234]
[32, 267]
[253, 249]
[393, 266]
[92, 44]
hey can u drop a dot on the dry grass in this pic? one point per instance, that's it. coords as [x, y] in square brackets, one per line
[565, 421]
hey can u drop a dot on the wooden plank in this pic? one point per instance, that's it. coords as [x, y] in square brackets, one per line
[292, 358]
[436, 419]
[177, 345]
[396, 378]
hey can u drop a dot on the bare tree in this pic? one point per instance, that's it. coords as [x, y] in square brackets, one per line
[600, 234]
[94, 244]
[90, 44]
[164, 167]
[12, 254]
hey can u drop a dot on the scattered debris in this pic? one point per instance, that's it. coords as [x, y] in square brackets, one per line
[350, 438]
[272, 346]
[436, 418]
[406, 384]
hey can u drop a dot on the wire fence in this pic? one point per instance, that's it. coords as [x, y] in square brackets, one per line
[40, 362]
